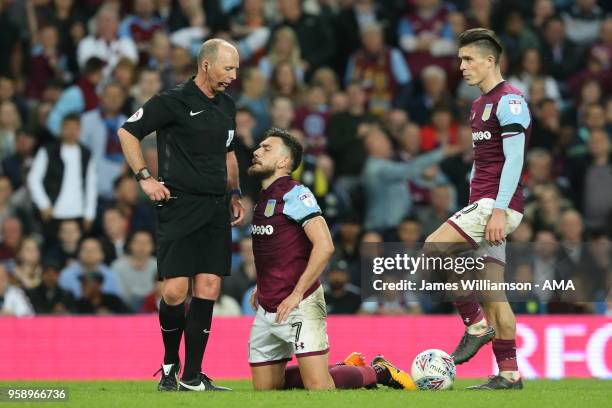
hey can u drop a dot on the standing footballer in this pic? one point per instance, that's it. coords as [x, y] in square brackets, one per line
[195, 124]
[292, 244]
[501, 125]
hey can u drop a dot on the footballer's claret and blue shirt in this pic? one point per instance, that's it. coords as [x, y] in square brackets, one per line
[280, 244]
[501, 126]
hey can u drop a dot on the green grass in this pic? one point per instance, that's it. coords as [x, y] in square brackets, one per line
[572, 393]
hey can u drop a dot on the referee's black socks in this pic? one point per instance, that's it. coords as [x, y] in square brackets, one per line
[197, 330]
[172, 322]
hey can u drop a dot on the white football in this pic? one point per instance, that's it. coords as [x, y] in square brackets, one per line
[433, 369]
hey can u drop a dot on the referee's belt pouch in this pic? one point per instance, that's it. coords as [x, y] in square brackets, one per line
[179, 217]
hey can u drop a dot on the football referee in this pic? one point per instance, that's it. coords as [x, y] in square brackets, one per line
[195, 124]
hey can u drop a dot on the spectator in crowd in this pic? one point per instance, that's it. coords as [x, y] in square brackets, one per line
[150, 304]
[440, 210]
[409, 232]
[137, 269]
[10, 122]
[245, 144]
[8, 93]
[226, 305]
[141, 26]
[48, 297]
[243, 276]
[426, 36]
[385, 181]
[64, 249]
[311, 119]
[441, 130]
[545, 212]
[125, 76]
[602, 48]
[17, 165]
[149, 83]
[254, 97]
[13, 301]
[390, 302]
[10, 38]
[46, 62]
[94, 300]
[115, 234]
[159, 59]
[140, 215]
[12, 234]
[559, 54]
[327, 79]
[285, 48]
[341, 296]
[78, 98]
[539, 173]
[314, 35]
[99, 135]
[345, 135]
[583, 21]
[531, 68]
[546, 126]
[62, 180]
[458, 168]
[8, 209]
[90, 260]
[350, 22]
[282, 112]
[28, 267]
[587, 177]
[284, 82]
[106, 44]
[381, 71]
[542, 10]
[517, 37]
[250, 27]
[435, 92]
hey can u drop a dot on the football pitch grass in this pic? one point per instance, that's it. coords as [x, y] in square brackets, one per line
[115, 394]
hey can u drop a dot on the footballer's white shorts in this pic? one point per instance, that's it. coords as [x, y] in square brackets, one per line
[303, 333]
[471, 222]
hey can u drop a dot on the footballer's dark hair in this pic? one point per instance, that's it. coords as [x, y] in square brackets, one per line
[482, 38]
[295, 147]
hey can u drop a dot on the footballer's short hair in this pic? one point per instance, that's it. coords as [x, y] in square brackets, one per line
[484, 39]
[291, 143]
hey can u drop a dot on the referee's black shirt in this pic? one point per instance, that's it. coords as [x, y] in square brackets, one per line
[194, 134]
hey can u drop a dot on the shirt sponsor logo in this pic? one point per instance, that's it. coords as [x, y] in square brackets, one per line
[262, 230]
[515, 106]
[230, 136]
[476, 136]
[269, 210]
[136, 116]
[486, 113]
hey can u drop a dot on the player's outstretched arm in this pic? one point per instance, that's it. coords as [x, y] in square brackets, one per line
[322, 249]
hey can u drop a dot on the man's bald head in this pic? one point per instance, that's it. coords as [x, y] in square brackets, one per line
[218, 63]
[210, 50]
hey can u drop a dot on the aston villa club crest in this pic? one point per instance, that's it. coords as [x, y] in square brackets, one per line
[486, 113]
[269, 211]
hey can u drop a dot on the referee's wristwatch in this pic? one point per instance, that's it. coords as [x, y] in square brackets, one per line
[143, 174]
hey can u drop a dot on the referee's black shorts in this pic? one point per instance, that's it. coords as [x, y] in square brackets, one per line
[205, 250]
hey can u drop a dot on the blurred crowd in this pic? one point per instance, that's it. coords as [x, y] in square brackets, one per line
[371, 88]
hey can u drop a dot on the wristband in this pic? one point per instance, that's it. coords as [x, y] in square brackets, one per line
[236, 191]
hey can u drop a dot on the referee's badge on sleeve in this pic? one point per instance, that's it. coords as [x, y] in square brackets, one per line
[137, 115]
[269, 211]
[230, 136]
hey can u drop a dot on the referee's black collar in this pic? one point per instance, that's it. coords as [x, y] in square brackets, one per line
[191, 86]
